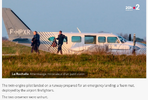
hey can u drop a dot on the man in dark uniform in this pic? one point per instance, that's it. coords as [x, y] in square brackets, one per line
[61, 38]
[35, 42]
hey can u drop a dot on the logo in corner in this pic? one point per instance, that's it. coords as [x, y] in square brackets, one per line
[130, 8]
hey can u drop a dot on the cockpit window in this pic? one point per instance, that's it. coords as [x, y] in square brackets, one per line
[122, 39]
[112, 40]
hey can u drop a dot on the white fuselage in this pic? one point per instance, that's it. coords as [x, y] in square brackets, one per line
[91, 42]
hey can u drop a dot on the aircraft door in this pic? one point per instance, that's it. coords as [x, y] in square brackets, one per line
[89, 42]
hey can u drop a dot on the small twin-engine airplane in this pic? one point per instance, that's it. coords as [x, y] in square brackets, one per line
[78, 43]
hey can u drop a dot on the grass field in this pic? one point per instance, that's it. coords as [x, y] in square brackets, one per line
[96, 66]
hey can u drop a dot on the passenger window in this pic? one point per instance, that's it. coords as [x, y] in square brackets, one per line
[101, 39]
[51, 38]
[76, 39]
[112, 40]
[90, 39]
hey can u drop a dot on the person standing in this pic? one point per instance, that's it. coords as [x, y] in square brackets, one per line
[61, 38]
[35, 42]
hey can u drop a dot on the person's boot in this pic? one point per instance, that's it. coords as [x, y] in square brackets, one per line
[38, 52]
[32, 50]
[61, 51]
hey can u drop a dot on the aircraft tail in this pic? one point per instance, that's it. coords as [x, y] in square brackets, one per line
[15, 27]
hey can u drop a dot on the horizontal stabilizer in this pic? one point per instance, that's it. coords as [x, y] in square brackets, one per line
[22, 40]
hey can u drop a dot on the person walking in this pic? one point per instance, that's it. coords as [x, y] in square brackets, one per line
[35, 43]
[60, 39]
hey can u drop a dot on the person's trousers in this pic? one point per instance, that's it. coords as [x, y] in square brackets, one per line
[35, 48]
[59, 47]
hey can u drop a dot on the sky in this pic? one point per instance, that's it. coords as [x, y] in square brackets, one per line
[91, 16]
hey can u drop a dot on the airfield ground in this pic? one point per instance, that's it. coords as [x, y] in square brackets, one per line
[96, 65]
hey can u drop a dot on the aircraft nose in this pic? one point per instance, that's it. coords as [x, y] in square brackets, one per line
[141, 51]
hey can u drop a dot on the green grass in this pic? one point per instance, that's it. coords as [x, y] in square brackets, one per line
[96, 65]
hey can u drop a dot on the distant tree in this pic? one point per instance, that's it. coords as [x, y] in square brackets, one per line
[145, 39]
[126, 36]
[4, 38]
[139, 40]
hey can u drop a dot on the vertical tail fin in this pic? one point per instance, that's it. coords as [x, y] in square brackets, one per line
[15, 27]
